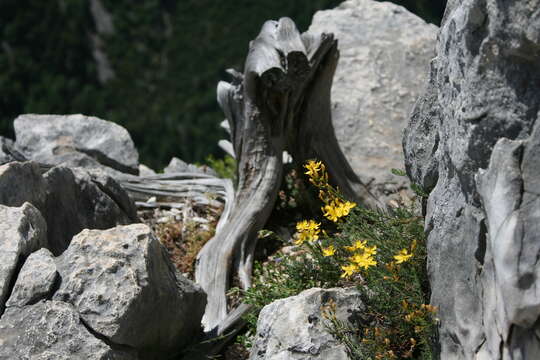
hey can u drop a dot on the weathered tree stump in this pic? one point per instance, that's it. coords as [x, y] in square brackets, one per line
[280, 102]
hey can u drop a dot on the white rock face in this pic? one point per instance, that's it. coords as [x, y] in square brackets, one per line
[383, 66]
[293, 328]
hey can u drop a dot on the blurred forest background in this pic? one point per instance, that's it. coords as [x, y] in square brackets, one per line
[150, 65]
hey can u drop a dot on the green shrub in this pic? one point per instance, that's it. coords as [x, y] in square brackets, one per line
[381, 253]
[224, 167]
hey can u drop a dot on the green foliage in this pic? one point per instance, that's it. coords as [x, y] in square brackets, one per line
[45, 60]
[395, 292]
[399, 172]
[419, 190]
[167, 57]
[224, 167]
[382, 253]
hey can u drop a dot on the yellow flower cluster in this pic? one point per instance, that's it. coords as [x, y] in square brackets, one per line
[362, 257]
[334, 207]
[308, 230]
[316, 172]
[403, 256]
[329, 251]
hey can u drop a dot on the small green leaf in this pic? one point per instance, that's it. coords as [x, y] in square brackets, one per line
[418, 190]
[399, 172]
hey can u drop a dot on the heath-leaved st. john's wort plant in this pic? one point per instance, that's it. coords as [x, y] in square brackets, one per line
[381, 253]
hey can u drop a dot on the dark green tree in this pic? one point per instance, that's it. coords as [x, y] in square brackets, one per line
[167, 57]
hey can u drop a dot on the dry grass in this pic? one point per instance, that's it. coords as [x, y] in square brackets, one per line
[183, 239]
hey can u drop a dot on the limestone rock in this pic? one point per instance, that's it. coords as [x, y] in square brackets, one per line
[44, 137]
[22, 231]
[384, 58]
[293, 328]
[481, 111]
[35, 281]
[145, 171]
[69, 199]
[20, 183]
[177, 165]
[124, 286]
[49, 330]
[8, 152]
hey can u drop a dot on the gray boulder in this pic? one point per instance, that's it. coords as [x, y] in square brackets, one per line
[78, 200]
[177, 165]
[49, 138]
[8, 152]
[22, 231]
[20, 183]
[125, 288]
[384, 57]
[50, 330]
[293, 328]
[145, 171]
[69, 199]
[481, 111]
[36, 280]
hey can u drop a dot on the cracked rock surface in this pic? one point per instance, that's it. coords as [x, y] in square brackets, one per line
[293, 328]
[35, 281]
[49, 330]
[69, 199]
[22, 231]
[125, 288]
[113, 294]
[473, 142]
[8, 152]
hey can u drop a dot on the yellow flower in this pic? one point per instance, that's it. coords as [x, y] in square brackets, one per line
[329, 251]
[308, 230]
[331, 212]
[403, 256]
[313, 168]
[348, 270]
[336, 209]
[370, 250]
[306, 225]
[363, 260]
[358, 245]
[346, 207]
